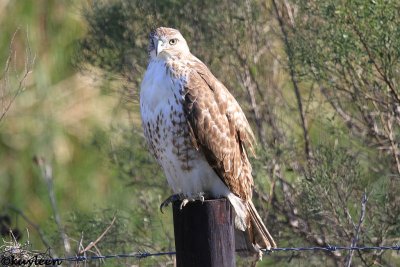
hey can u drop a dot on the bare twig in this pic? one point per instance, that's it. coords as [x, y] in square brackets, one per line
[98, 253]
[4, 86]
[357, 229]
[93, 244]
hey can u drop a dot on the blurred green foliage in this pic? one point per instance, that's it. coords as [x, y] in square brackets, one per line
[76, 125]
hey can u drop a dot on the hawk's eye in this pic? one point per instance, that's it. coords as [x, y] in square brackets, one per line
[173, 41]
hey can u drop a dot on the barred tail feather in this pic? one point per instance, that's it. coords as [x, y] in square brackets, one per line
[255, 235]
[261, 236]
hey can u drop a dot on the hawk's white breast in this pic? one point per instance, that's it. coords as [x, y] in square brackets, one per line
[167, 134]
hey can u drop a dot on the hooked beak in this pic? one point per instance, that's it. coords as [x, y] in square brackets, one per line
[159, 46]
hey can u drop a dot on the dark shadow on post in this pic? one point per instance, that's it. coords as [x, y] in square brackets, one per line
[204, 234]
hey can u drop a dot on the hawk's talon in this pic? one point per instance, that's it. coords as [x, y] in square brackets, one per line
[184, 202]
[170, 200]
[201, 197]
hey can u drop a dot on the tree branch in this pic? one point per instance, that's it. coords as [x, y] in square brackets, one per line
[357, 229]
[29, 62]
[292, 72]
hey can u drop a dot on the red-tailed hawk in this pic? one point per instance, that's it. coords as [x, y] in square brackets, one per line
[199, 134]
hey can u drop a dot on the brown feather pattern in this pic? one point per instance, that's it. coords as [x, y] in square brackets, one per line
[220, 128]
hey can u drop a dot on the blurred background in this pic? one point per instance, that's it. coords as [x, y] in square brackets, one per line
[318, 80]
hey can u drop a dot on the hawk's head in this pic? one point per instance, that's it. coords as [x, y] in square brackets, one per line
[166, 43]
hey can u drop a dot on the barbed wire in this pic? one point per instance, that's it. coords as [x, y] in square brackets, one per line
[137, 255]
[333, 248]
[142, 255]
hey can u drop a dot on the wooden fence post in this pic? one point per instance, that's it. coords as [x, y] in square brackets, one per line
[204, 234]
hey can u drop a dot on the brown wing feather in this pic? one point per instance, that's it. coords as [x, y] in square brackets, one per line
[220, 128]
